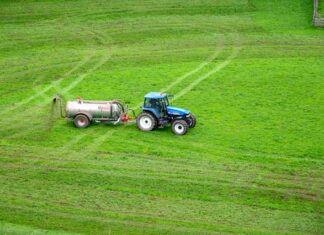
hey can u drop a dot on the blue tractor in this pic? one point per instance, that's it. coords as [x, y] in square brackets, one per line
[157, 112]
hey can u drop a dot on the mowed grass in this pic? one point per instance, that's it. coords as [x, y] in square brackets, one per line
[252, 73]
[321, 8]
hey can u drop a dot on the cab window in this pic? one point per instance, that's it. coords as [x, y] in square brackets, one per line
[152, 103]
[166, 101]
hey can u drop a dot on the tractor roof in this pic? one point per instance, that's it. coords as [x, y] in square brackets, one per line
[155, 95]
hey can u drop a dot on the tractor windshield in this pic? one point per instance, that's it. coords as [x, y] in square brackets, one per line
[156, 103]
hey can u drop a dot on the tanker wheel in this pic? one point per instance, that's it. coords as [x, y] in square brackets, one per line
[192, 121]
[180, 127]
[81, 121]
[146, 121]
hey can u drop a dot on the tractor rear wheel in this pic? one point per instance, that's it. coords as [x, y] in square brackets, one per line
[192, 121]
[180, 127]
[146, 121]
[81, 121]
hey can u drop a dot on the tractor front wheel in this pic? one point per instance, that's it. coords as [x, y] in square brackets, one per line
[179, 127]
[192, 121]
[146, 121]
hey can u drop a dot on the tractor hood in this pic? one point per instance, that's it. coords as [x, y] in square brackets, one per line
[177, 111]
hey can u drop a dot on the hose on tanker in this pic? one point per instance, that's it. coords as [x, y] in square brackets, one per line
[56, 99]
[124, 109]
[122, 113]
[119, 104]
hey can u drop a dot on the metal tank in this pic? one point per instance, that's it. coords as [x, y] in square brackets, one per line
[95, 110]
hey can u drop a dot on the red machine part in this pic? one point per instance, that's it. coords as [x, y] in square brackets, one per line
[125, 118]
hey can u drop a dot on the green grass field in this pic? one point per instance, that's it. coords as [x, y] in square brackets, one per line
[321, 8]
[252, 71]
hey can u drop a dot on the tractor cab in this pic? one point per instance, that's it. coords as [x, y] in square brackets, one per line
[157, 112]
[157, 103]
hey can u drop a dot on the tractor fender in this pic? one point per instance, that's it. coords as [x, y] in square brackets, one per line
[152, 111]
[179, 117]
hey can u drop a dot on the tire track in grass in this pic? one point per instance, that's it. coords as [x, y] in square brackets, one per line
[66, 90]
[76, 139]
[72, 142]
[61, 79]
[295, 191]
[211, 198]
[105, 57]
[79, 65]
[211, 181]
[197, 69]
[36, 69]
[180, 79]
[104, 171]
[89, 149]
[39, 199]
[215, 70]
[170, 225]
[57, 86]
[42, 93]
[27, 201]
[81, 77]
[211, 170]
[46, 89]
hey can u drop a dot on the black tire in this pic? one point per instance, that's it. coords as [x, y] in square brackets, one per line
[146, 121]
[81, 121]
[192, 120]
[180, 127]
